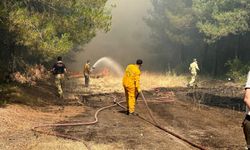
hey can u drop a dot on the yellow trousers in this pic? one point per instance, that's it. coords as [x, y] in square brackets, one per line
[193, 78]
[130, 93]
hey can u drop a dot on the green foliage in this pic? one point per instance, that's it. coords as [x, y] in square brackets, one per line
[5, 91]
[173, 18]
[51, 28]
[237, 70]
[173, 29]
[214, 31]
[217, 19]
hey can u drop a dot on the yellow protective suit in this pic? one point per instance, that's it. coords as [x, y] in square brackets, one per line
[193, 69]
[131, 84]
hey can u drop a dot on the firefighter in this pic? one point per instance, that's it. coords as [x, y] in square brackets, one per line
[86, 72]
[131, 84]
[246, 122]
[59, 69]
[193, 67]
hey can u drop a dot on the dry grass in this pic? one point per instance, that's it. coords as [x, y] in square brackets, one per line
[149, 81]
[22, 118]
[16, 122]
[54, 143]
[153, 80]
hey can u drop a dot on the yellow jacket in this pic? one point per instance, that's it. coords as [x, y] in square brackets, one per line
[194, 67]
[132, 76]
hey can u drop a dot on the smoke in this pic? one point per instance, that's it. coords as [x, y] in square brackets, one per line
[128, 40]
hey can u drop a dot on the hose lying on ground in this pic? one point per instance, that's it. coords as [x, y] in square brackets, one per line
[36, 128]
[162, 128]
[168, 131]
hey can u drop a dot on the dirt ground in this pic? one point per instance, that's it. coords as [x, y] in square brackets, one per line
[209, 115]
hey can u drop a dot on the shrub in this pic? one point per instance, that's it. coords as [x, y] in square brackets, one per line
[237, 70]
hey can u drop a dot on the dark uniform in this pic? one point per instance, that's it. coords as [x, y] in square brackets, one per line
[58, 70]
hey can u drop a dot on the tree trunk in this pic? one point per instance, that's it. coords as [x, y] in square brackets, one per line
[204, 57]
[215, 71]
[182, 54]
[238, 47]
[11, 61]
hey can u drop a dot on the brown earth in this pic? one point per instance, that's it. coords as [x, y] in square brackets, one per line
[208, 116]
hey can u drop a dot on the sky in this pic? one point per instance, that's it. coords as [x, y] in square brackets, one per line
[127, 40]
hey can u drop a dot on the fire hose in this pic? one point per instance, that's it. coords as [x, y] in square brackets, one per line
[162, 128]
[36, 128]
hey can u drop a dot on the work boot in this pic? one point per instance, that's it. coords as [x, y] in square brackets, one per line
[132, 114]
[127, 113]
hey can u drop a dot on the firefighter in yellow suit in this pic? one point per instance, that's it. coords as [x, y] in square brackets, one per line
[193, 70]
[131, 84]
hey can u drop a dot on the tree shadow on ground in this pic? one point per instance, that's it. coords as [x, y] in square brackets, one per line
[233, 103]
[209, 97]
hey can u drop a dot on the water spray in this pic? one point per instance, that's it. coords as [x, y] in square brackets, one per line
[106, 61]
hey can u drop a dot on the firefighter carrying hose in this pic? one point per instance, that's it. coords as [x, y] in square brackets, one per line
[131, 84]
[193, 70]
[59, 69]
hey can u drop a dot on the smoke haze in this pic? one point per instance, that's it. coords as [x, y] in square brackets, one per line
[128, 39]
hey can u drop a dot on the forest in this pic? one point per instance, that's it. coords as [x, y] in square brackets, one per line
[95, 108]
[37, 31]
[215, 32]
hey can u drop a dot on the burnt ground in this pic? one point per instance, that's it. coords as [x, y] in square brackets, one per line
[210, 117]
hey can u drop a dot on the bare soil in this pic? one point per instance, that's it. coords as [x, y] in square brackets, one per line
[208, 116]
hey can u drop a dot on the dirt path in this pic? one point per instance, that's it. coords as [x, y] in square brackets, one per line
[190, 115]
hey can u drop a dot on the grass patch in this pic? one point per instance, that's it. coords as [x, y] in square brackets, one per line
[39, 95]
[6, 92]
[149, 81]
[153, 80]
